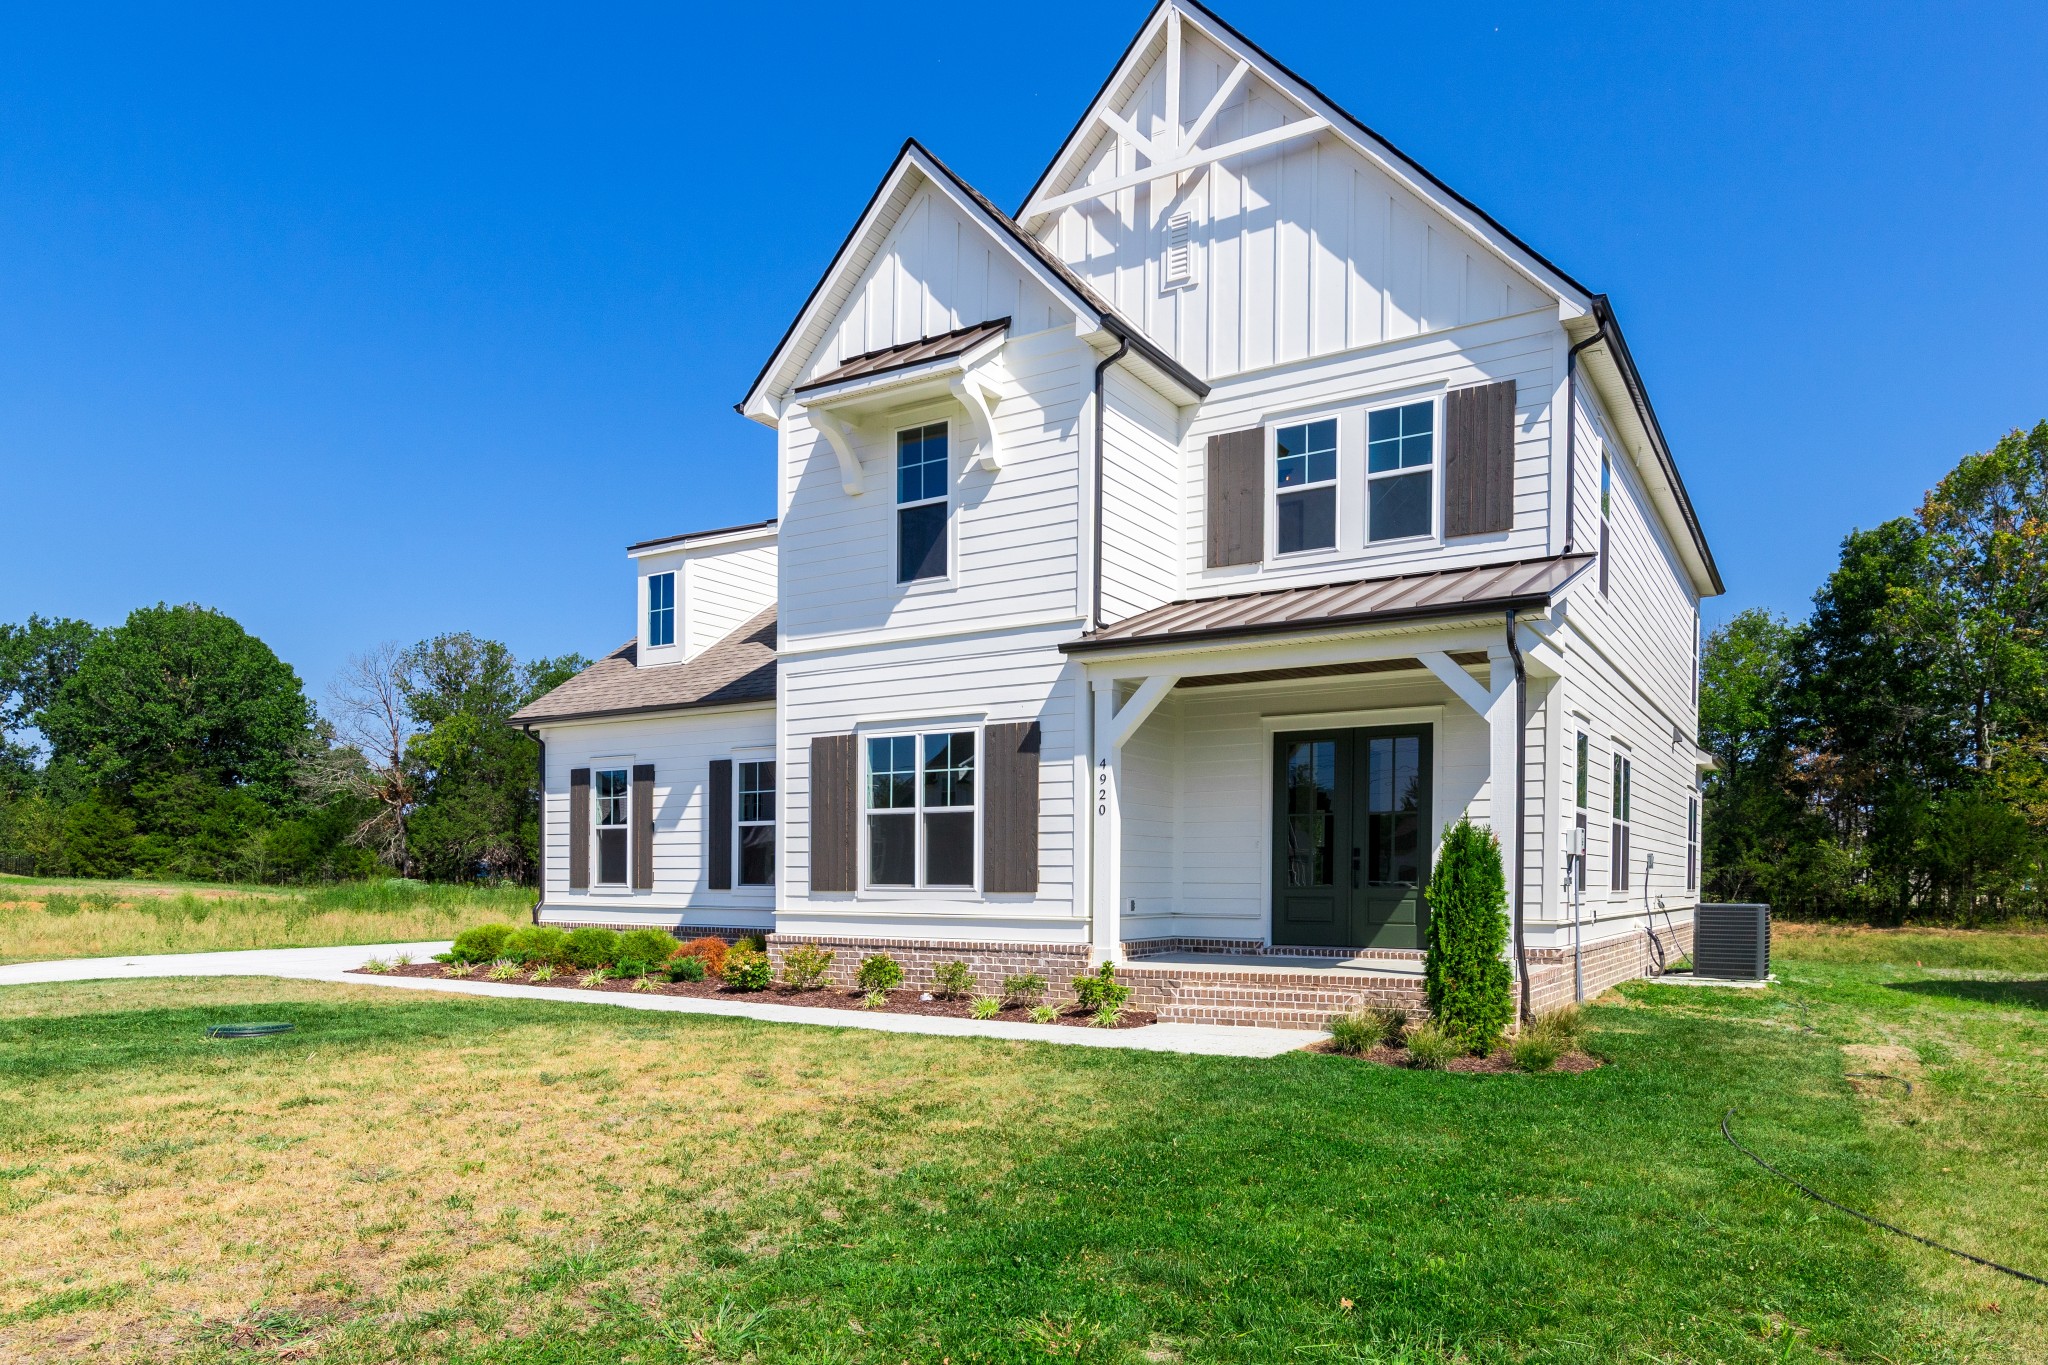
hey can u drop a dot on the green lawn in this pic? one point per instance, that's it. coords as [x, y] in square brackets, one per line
[58, 917]
[421, 1179]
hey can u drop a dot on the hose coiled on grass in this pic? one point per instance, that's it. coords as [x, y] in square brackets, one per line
[246, 1030]
[1814, 1194]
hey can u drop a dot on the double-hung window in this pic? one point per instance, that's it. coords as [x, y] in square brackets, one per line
[1606, 508]
[611, 790]
[1618, 867]
[661, 609]
[1400, 458]
[922, 467]
[756, 822]
[1692, 843]
[1305, 487]
[1582, 771]
[921, 809]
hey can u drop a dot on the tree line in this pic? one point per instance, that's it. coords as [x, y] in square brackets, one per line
[1886, 759]
[178, 745]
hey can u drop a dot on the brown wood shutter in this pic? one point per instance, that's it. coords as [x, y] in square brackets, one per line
[1479, 459]
[579, 828]
[718, 826]
[835, 787]
[1009, 819]
[1237, 497]
[643, 826]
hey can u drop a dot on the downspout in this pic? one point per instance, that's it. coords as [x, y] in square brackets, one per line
[540, 822]
[1101, 370]
[1521, 795]
[1571, 432]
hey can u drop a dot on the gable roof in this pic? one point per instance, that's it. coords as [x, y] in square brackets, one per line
[738, 670]
[1051, 272]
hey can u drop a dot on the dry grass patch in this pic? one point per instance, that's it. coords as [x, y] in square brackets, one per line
[148, 1201]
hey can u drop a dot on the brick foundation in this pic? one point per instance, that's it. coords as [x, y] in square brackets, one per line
[1608, 962]
[1058, 963]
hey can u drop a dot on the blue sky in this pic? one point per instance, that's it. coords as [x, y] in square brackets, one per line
[366, 324]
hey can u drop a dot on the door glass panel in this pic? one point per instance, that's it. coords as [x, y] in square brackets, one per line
[1311, 812]
[1394, 810]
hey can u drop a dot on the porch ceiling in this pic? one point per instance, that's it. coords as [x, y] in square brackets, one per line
[1368, 601]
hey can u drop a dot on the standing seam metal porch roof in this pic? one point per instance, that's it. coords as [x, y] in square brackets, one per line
[944, 346]
[1359, 602]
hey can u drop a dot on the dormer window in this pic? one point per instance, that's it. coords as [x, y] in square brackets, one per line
[922, 472]
[661, 609]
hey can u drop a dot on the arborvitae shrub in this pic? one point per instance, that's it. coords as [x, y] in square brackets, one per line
[593, 946]
[1465, 977]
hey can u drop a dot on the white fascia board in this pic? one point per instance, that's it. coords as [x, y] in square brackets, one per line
[687, 546]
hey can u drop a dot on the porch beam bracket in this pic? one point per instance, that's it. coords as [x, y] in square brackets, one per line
[1541, 652]
[1141, 705]
[980, 403]
[840, 435]
[1453, 675]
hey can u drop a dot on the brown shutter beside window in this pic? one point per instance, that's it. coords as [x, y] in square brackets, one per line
[1009, 822]
[835, 788]
[1237, 497]
[643, 826]
[1479, 459]
[579, 828]
[718, 826]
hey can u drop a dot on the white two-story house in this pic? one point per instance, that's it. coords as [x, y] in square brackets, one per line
[1155, 573]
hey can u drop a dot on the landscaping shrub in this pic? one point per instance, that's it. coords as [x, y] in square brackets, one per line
[1433, 1049]
[1535, 1052]
[503, 971]
[878, 972]
[532, 946]
[1356, 1033]
[1393, 1022]
[746, 968]
[1109, 1016]
[1044, 1014]
[484, 943]
[875, 1000]
[686, 969]
[1465, 977]
[986, 1006]
[544, 972]
[804, 966]
[754, 941]
[1100, 990]
[592, 946]
[652, 946]
[951, 980]
[710, 951]
[631, 966]
[1025, 989]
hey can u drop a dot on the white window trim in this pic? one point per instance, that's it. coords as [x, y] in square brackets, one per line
[647, 609]
[867, 891]
[611, 763]
[1435, 534]
[947, 579]
[741, 757]
[1337, 483]
[1621, 792]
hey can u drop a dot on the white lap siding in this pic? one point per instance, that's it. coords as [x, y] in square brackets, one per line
[681, 746]
[1015, 676]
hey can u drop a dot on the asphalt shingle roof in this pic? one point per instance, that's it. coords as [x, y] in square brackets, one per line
[738, 669]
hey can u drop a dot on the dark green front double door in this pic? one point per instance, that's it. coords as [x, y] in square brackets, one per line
[1351, 837]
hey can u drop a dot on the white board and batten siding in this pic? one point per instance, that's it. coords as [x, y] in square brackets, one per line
[1143, 498]
[1002, 677]
[681, 745]
[1303, 250]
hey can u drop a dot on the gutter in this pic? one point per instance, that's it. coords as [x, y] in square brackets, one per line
[1571, 430]
[1521, 802]
[1101, 372]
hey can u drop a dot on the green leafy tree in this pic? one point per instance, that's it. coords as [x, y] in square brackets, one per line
[1465, 977]
[36, 658]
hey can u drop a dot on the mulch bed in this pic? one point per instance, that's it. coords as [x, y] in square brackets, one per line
[830, 997]
[1495, 1063]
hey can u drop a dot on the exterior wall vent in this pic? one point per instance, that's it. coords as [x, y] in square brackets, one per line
[1178, 269]
[1732, 942]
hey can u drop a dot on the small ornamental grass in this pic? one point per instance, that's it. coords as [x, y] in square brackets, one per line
[878, 972]
[951, 980]
[1535, 1053]
[805, 966]
[503, 970]
[376, 966]
[1549, 1037]
[1108, 1016]
[875, 1000]
[458, 969]
[544, 972]
[747, 968]
[1431, 1048]
[1044, 1014]
[592, 979]
[645, 983]
[1357, 1033]
[985, 1006]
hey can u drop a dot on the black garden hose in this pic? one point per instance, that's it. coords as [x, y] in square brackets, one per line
[246, 1030]
[1812, 1193]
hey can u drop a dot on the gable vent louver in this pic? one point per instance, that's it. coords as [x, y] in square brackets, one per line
[1178, 269]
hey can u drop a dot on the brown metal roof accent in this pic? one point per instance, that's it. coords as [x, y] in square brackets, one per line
[1260, 675]
[1367, 601]
[738, 669]
[903, 355]
[700, 535]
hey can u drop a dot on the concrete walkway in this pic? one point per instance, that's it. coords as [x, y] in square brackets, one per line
[333, 964]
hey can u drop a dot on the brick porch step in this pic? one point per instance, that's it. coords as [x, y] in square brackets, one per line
[1270, 990]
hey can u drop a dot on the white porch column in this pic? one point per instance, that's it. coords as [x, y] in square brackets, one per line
[1106, 782]
[1504, 731]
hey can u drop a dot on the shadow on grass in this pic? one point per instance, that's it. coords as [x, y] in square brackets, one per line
[2031, 995]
